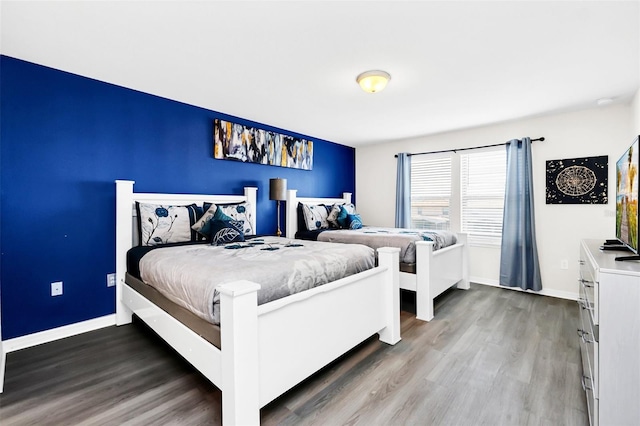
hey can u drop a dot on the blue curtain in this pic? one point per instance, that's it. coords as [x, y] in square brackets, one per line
[519, 265]
[403, 191]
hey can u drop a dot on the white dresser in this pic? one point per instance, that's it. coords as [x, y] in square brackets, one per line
[609, 333]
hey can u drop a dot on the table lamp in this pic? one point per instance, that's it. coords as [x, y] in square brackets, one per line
[278, 192]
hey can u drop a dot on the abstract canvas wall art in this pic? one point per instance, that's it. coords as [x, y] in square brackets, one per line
[233, 141]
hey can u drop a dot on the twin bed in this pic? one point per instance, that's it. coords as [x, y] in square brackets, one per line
[433, 270]
[263, 349]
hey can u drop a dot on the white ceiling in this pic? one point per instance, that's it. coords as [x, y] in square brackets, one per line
[292, 65]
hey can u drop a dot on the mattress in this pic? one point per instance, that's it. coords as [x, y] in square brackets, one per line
[401, 238]
[189, 274]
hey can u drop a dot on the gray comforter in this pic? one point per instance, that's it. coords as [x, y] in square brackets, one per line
[375, 238]
[188, 275]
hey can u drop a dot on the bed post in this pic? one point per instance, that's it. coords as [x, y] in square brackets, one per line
[424, 296]
[124, 235]
[346, 196]
[251, 194]
[3, 365]
[390, 257]
[291, 217]
[239, 343]
[464, 283]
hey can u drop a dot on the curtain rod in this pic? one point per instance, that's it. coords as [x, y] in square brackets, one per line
[465, 149]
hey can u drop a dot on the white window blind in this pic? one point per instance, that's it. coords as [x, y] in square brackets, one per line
[430, 192]
[482, 187]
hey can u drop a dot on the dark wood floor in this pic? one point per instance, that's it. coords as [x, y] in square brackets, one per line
[490, 357]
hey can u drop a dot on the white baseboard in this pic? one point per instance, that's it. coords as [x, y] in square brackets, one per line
[544, 292]
[46, 336]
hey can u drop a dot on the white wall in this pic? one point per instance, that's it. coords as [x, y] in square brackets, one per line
[635, 113]
[594, 132]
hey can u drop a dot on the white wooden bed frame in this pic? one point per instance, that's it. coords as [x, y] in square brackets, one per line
[266, 349]
[436, 271]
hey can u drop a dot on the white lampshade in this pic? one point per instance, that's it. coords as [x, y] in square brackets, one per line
[373, 81]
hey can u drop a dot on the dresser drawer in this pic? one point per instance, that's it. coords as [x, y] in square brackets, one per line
[588, 283]
[587, 294]
[588, 335]
[592, 402]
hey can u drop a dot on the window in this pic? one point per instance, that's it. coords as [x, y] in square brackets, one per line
[482, 187]
[463, 191]
[430, 192]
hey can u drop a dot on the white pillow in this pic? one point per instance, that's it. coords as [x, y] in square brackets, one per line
[315, 216]
[163, 224]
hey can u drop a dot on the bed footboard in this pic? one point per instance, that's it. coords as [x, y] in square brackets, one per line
[437, 271]
[303, 332]
[268, 349]
[390, 257]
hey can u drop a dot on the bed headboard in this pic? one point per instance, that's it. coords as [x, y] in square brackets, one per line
[126, 216]
[291, 220]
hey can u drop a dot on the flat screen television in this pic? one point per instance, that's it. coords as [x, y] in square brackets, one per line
[627, 200]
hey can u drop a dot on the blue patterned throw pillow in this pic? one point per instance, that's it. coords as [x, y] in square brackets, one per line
[338, 216]
[226, 231]
[342, 218]
[354, 220]
[218, 215]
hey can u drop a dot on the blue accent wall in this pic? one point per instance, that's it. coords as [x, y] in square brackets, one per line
[64, 139]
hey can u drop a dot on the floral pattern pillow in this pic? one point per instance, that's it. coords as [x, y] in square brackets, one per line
[163, 224]
[240, 212]
[315, 216]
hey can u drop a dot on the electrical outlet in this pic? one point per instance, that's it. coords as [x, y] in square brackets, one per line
[56, 288]
[111, 279]
[564, 264]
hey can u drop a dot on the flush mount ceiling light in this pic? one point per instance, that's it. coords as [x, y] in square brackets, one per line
[373, 81]
[604, 101]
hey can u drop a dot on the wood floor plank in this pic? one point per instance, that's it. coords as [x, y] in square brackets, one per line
[490, 356]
